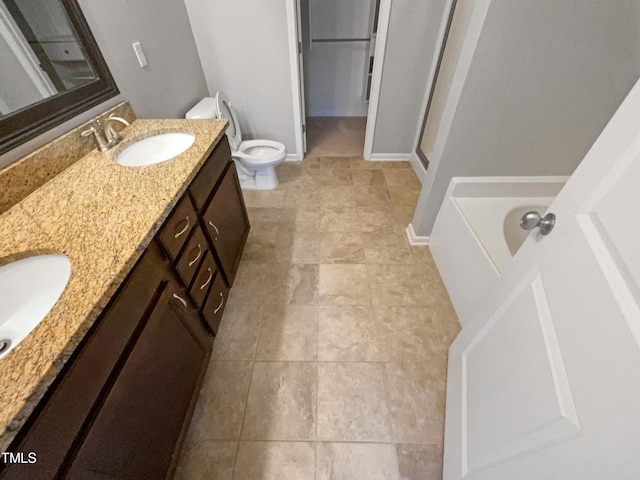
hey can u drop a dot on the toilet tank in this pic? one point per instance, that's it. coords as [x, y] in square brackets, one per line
[205, 108]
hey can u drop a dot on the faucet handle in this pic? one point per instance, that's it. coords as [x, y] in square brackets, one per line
[97, 132]
[88, 131]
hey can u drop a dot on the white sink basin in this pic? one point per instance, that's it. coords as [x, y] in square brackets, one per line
[155, 149]
[29, 288]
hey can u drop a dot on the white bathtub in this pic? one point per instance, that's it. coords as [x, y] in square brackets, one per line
[477, 231]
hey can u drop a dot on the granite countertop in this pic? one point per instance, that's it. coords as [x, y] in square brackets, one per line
[102, 216]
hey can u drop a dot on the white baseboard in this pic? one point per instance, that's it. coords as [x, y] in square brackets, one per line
[418, 167]
[391, 157]
[293, 157]
[416, 240]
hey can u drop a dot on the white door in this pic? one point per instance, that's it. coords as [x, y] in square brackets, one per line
[544, 383]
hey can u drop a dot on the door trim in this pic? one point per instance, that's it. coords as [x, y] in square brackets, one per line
[384, 16]
[296, 86]
[441, 44]
[376, 80]
[425, 213]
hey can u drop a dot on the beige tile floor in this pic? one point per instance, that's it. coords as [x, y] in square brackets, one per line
[335, 136]
[330, 362]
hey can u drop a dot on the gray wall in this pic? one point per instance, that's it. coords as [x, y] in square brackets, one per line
[410, 52]
[544, 80]
[251, 63]
[173, 80]
[244, 50]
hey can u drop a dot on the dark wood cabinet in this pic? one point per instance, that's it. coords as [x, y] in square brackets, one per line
[227, 224]
[203, 185]
[216, 301]
[203, 281]
[136, 432]
[54, 427]
[122, 404]
[188, 262]
[177, 228]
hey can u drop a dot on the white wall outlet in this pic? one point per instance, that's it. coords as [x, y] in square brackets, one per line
[142, 60]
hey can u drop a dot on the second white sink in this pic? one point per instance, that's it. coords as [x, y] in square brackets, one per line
[29, 288]
[155, 149]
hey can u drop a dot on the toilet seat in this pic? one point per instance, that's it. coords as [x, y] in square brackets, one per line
[252, 153]
[255, 159]
[260, 153]
[224, 110]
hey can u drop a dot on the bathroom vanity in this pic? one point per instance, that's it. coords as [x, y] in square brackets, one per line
[122, 404]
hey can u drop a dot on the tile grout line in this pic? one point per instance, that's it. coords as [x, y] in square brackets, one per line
[246, 399]
[315, 446]
[317, 376]
[365, 442]
[317, 361]
[235, 459]
[315, 441]
[327, 361]
[387, 397]
[395, 455]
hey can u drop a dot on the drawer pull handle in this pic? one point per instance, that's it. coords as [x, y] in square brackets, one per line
[186, 227]
[204, 285]
[180, 299]
[219, 306]
[215, 228]
[197, 256]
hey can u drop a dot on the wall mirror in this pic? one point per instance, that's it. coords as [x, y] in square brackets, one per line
[51, 70]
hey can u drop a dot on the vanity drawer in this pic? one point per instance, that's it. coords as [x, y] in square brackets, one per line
[202, 186]
[187, 263]
[216, 303]
[177, 228]
[204, 280]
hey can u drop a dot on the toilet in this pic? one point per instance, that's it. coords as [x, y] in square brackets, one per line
[254, 159]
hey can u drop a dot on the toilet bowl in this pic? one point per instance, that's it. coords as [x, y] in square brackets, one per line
[255, 159]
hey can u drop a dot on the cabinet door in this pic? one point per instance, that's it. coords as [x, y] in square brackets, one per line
[227, 223]
[216, 302]
[189, 260]
[146, 413]
[202, 186]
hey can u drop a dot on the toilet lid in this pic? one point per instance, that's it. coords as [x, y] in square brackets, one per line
[225, 111]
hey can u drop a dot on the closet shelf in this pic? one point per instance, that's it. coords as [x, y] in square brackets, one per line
[328, 40]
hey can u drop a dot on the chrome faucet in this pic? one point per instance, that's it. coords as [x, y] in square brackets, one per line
[96, 129]
[106, 137]
[112, 135]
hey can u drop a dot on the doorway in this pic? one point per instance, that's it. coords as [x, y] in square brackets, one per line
[340, 48]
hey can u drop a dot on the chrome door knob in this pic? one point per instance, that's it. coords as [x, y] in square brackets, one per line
[531, 220]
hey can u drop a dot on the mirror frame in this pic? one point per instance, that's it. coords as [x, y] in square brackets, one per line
[29, 122]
